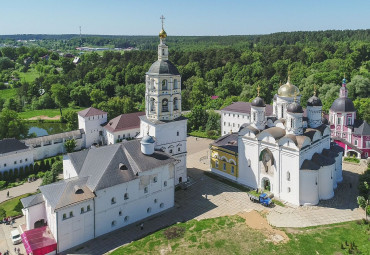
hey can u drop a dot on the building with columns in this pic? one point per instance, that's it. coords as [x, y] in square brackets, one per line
[286, 153]
[162, 118]
[350, 134]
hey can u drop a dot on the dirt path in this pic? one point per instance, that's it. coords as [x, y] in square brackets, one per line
[43, 117]
[255, 220]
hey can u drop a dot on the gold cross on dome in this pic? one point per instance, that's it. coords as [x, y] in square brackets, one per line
[162, 18]
[258, 90]
[314, 89]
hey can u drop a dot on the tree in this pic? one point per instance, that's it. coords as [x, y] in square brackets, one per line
[11, 125]
[70, 117]
[60, 94]
[362, 106]
[197, 118]
[213, 121]
[70, 145]
[359, 87]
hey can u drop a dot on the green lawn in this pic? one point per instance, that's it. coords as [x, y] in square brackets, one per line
[13, 207]
[47, 112]
[29, 76]
[8, 93]
[230, 235]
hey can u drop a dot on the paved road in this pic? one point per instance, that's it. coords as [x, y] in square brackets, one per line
[5, 242]
[20, 190]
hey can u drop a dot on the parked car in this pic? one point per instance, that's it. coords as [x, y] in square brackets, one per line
[15, 236]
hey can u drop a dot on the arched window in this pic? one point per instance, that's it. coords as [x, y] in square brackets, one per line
[164, 105]
[288, 176]
[175, 104]
[175, 84]
[126, 196]
[164, 85]
[113, 200]
[152, 105]
[216, 163]
[254, 116]
[282, 111]
[151, 83]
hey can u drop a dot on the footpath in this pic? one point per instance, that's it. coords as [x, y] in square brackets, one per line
[20, 190]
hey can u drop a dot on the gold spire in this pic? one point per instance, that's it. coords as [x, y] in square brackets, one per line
[163, 33]
[295, 96]
[314, 89]
[258, 90]
[280, 84]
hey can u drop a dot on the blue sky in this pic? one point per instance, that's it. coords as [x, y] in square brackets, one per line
[186, 17]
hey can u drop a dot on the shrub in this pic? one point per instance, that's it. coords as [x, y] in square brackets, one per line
[21, 172]
[352, 159]
[26, 171]
[42, 166]
[40, 174]
[2, 213]
[10, 175]
[5, 175]
[1, 176]
[16, 174]
[2, 184]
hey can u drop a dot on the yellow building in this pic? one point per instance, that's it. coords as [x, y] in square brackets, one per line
[224, 156]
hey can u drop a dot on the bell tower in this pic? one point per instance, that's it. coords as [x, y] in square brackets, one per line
[163, 85]
[163, 119]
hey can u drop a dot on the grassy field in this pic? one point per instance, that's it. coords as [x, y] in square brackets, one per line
[29, 76]
[8, 93]
[13, 207]
[47, 112]
[230, 235]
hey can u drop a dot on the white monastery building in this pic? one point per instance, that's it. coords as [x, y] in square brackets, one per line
[286, 153]
[104, 189]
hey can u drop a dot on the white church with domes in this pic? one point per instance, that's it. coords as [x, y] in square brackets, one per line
[286, 153]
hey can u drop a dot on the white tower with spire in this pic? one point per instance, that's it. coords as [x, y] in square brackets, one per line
[314, 111]
[163, 119]
[258, 112]
[294, 112]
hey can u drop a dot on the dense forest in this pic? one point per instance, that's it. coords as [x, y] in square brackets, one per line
[231, 67]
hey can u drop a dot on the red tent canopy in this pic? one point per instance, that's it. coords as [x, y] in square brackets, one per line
[39, 241]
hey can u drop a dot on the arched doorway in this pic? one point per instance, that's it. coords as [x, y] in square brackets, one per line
[39, 223]
[267, 162]
[180, 180]
[352, 154]
[266, 185]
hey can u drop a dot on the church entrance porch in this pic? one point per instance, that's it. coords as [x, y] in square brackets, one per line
[353, 154]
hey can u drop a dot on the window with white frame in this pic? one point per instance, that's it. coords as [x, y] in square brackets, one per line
[125, 197]
[155, 179]
[356, 142]
[149, 210]
[232, 169]
[82, 210]
[146, 190]
[165, 183]
[288, 176]
[113, 200]
[224, 167]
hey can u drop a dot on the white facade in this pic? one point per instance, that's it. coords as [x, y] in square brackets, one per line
[232, 121]
[170, 138]
[16, 159]
[113, 137]
[92, 125]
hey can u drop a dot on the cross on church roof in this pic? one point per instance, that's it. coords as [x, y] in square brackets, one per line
[162, 18]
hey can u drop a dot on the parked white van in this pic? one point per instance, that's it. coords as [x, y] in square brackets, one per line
[15, 236]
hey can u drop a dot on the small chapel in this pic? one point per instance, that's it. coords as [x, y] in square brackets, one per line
[287, 152]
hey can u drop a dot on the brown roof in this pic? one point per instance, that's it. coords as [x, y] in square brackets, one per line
[91, 111]
[124, 122]
[245, 107]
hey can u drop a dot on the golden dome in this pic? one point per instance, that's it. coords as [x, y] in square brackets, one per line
[162, 34]
[288, 90]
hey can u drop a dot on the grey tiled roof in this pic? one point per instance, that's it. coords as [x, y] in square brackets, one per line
[63, 193]
[309, 165]
[10, 145]
[322, 160]
[78, 159]
[163, 67]
[229, 142]
[363, 129]
[32, 200]
[245, 107]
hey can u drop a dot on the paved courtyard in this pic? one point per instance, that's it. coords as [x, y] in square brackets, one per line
[207, 198]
